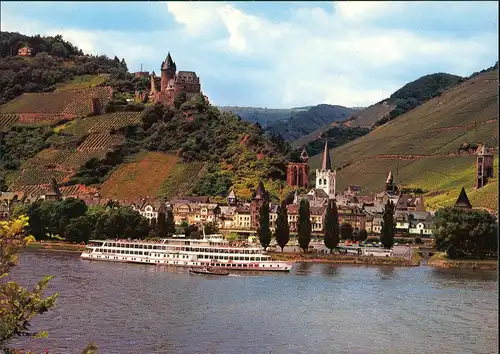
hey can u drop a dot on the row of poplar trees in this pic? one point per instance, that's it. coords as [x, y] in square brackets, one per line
[304, 229]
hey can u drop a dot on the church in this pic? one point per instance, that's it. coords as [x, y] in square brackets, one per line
[326, 178]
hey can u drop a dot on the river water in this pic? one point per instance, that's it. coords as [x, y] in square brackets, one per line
[316, 308]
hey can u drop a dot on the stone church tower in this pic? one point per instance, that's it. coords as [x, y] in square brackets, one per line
[297, 173]
[326, 179]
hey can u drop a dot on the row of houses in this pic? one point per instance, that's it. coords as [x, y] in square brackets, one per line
[243, 217]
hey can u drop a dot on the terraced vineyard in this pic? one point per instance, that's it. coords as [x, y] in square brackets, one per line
[100, 141]
[73, 145]
[182, 179]
[49, 108]
[7, 120]
[84, 81]
[37, 176]
[128, 181]
[102, 123]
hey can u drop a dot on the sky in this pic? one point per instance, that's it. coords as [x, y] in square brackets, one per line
[278, 54]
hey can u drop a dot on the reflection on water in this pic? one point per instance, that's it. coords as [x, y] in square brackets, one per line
[386, 272]
[303, 268]
[330, 269]
[316, 308]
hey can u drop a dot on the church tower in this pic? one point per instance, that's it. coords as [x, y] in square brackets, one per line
[390, 186]
[168, 70]
[326, 179]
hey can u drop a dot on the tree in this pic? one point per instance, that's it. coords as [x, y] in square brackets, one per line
[59, 50]
[153, 225]
[161, 222]
[263, 230]
[78, 230]
[282, 230]
[332, 228]
[304, 225]
[388, 226]
[18, 305]
[465, 233]
[179, 99]
[170, 223]
[362, 235]
[211, 228]
[346, 231]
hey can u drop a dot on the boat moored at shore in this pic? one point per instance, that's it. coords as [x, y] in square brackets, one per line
[211, 252]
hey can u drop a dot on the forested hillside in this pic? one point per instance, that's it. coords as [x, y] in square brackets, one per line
[54, 61]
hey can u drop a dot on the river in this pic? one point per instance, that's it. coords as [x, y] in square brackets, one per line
[316, 308]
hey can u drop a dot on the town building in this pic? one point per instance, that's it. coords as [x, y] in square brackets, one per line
[484, 167]
[352, 215]
[407, 202]
[326, 177]
[24, 51]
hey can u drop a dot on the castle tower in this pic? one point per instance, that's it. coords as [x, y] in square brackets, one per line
[168, 70]
[484, 167]
[326, 179]
[297, 173]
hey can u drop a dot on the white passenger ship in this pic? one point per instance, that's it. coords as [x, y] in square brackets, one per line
[212, 251]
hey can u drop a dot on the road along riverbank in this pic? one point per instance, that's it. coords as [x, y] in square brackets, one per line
[346, 259]
[56, 246]
[440, 260]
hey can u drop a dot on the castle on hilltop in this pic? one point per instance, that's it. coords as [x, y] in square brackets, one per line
[165, 88]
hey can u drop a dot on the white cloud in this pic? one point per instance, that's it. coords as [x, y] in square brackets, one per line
[319, 56]
[363, 10]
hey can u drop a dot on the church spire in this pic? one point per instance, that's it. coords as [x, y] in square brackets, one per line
[389, 178]
[326, 165]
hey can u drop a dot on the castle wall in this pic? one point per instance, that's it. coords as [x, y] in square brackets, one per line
[187, 88]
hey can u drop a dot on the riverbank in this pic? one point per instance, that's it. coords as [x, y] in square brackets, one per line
[56, 246]
[440, 260]
[346, 259]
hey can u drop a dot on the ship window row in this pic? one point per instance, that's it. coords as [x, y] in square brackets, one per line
[190, 249]
[135, 245]
[233, 258]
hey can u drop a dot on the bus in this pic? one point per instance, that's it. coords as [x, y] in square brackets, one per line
[377, 252]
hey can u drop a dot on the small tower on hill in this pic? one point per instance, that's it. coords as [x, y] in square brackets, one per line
[484, 167]
[168, 70]
[297, 173]
[463, 201]
[326, 179]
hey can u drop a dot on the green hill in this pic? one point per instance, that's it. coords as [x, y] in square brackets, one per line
[425, 147]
